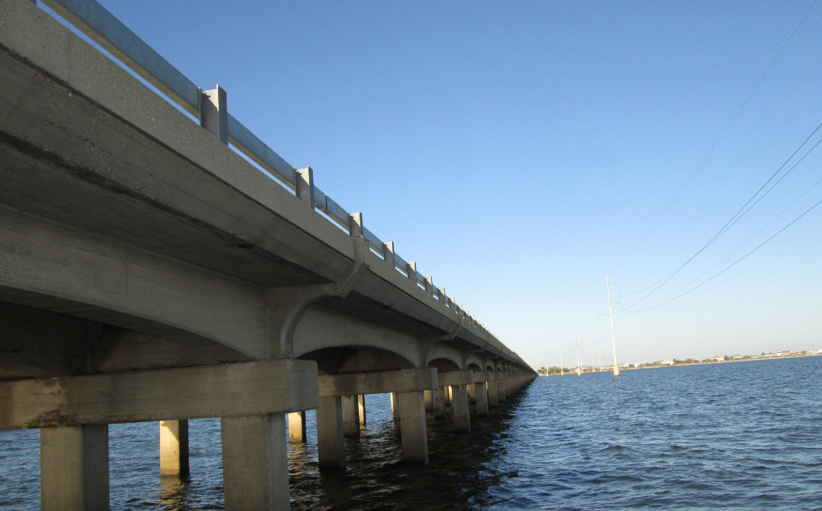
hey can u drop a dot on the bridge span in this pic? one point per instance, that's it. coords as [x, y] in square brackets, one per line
[159, 262]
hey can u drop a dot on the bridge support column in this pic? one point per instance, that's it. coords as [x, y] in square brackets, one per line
[438, 401]
[459, 406]
[255, 463]
[412, 427]
[350, 416]
[502, 391]
[74, 456]
[493, 392]
[361, 409]
[395, 405]
[296, 427]
[481, 397]
[428, 398]
[174, 449]
[406, 387]
[74, 468]
[330, 432]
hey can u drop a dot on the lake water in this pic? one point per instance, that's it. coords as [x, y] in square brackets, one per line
[731, 436]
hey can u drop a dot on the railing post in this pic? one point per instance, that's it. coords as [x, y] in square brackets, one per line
[214, 112]
[411, 270]
[429, 285]
[355, 225]
[388, 254]
[305, 185]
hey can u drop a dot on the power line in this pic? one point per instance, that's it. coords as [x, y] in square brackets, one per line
[717, 142]
[737, 113]
[764, 189]
[737, 260]
[783, 176]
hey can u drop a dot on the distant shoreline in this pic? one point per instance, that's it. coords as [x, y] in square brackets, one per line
[698, 363]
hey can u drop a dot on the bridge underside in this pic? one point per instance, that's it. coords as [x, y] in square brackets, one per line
[139, 254]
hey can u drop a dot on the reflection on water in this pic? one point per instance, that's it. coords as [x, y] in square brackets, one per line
[173, 494]
[375, 478]
[737, 436]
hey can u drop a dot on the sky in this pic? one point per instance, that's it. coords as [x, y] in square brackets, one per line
[520, 152]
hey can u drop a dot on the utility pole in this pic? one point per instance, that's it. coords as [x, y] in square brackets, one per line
[613, 334]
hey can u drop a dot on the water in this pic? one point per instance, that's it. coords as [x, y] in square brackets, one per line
[732, 436]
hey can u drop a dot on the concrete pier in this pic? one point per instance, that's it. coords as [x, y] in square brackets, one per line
[151, 273]
[413, 428]
[455, 384]
[350, 416]
[361, 410]
[395, 405]
[405, 385]
[330, 432]
[296, 427]
[461, 412]
[74, 456]
[502, 391]
[255, 463]
[438, 398]
[493, 391]
[480, 395]
[74, 468]
[174, 449]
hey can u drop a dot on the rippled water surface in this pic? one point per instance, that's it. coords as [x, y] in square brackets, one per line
[731, 436]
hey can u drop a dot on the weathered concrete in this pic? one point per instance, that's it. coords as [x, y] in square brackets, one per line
[428, 397]
[519, 380]
[330, 432]
[361, 409]
[296, 427]
[455, 378]
[350, 416]
[174, 448]
[210, 391]
[403, 380]
[461, 413]
[160, 259]
[74, 468]
[502, 390]
[395, 404]
[480, 395]
[186, 217]
[255, 463]
[412, 427]
[493, 390]
[214, 113]
[439, 400]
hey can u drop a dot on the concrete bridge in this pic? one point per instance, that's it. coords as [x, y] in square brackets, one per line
[159, 262]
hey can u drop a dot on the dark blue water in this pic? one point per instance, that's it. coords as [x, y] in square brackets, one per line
[731, 436]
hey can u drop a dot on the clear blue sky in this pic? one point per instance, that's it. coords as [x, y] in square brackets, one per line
[520, 151]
